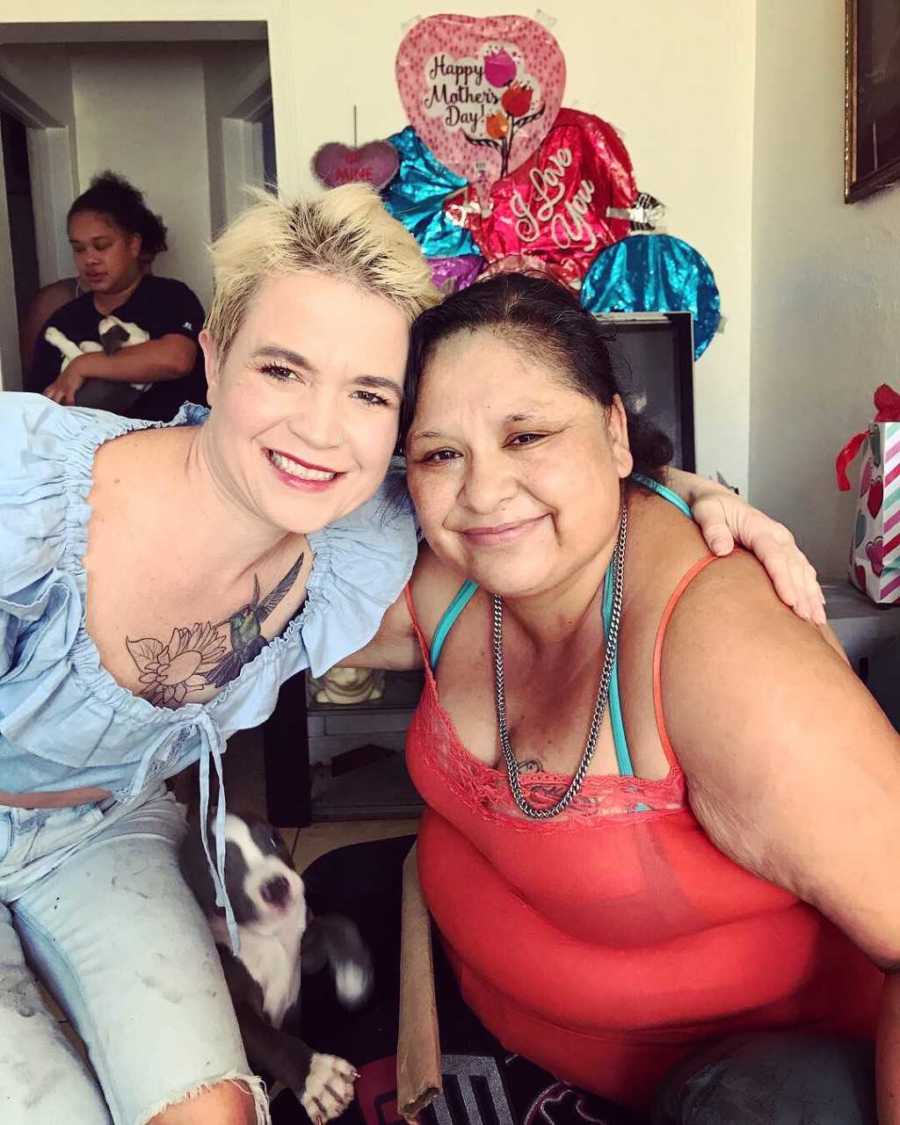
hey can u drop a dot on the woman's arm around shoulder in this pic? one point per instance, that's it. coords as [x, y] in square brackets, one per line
[395, 646]
[792, 768]
[725, 519]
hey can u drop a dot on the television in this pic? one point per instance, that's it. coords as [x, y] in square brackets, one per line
[653, 360]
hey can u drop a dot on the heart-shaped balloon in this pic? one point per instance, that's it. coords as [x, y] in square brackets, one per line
[481, 93]
[452, 274]
[554, 207]
[375, 163]
[655, 273]
[416, 197]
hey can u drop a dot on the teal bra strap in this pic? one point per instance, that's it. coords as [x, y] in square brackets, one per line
[454, 609]
[665, 493]
[464, 595]
[623, 756]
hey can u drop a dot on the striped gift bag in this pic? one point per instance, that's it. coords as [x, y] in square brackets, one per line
[875, 550]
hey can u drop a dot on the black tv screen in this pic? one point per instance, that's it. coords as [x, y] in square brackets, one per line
[653, 359]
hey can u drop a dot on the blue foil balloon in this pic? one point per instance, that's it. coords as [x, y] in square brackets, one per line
[416, 197]
[654, 273]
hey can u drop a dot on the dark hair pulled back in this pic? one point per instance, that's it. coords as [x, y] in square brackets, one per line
[543, 319]
[112, 195]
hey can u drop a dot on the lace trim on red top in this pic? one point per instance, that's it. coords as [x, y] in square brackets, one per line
[485, 789]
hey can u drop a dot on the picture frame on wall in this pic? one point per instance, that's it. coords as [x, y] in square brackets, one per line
[872, 97]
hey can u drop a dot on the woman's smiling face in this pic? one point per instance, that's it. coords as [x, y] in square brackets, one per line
[305, 406]
[514, 473]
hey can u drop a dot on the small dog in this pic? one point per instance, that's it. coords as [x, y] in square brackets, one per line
[114, 334]
[277, 941]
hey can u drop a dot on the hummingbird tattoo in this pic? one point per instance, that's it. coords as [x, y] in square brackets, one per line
[197, 657]
[245, 627]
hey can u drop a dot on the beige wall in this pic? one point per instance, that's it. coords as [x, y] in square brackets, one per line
[43, 74]
[140, 111]
[826, 281]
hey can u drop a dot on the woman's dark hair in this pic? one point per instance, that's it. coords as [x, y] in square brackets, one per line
[114, 196]
[539, 317]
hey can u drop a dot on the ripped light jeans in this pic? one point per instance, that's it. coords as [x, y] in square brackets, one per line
[93, 903]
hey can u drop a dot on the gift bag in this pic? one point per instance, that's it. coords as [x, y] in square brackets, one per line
[875, 549]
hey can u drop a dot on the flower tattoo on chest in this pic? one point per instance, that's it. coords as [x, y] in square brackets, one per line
[204, 655]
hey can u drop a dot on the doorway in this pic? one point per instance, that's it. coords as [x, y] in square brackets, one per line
[154, 102]
[20, 210]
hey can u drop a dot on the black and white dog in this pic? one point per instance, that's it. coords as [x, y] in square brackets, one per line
[277, 941]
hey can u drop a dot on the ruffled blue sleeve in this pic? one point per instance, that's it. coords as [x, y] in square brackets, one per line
[362, 563]
[39, 442]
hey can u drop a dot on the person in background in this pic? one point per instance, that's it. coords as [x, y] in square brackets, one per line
[144, 328]
[50, 298]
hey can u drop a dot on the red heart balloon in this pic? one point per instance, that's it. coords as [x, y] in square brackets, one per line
[375, 163]
[554, 207]
[875, 497]
[859, 575]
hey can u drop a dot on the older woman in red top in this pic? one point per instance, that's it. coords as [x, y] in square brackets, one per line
[662, 812]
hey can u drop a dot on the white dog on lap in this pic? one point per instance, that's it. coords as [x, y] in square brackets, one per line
[114, 334]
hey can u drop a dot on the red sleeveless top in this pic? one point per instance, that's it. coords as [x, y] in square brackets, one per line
[607, 943]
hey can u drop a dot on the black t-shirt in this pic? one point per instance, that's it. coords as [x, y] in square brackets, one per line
[159, 305]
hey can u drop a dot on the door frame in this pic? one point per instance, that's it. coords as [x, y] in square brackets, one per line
[52, 184]
[242, 147]
[52, 170]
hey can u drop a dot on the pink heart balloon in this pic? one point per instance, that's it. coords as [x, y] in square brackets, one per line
[481, 93]
[375, 163]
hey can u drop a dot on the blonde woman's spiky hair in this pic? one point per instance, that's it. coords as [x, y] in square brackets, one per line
[344, 233]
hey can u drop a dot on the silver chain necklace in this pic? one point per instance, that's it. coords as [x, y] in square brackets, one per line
[617, 567]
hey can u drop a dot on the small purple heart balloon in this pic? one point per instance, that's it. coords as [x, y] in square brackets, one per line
[375, 163]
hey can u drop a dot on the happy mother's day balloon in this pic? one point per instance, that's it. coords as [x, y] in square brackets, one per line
[481, 93]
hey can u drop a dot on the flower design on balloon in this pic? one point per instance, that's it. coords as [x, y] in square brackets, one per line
[516, 99]
[497, 126]
[503, 70]
[499, 67]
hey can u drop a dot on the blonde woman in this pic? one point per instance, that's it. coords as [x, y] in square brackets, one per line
[158, 582]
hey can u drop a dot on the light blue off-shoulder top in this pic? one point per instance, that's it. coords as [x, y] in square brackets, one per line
[64, 721]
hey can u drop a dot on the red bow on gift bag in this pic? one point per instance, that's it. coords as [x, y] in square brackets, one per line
[887, 409]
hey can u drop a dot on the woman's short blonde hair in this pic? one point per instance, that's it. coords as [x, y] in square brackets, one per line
[346, 233]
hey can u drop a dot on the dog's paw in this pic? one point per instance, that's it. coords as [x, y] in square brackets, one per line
[329, 1088]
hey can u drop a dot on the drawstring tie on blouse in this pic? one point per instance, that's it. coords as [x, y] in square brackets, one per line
[211, 749]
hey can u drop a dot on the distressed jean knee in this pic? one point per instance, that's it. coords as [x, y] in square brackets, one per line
[252, 1083]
